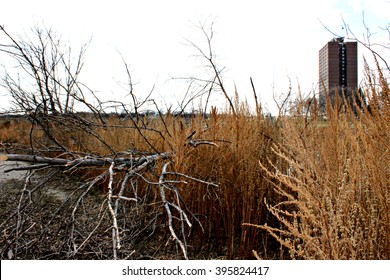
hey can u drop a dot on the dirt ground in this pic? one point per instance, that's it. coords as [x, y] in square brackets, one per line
[13, 175]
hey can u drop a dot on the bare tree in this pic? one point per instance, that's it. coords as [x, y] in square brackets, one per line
[215, 82]
[48, 80]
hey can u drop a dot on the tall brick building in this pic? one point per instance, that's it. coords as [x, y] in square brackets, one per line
[338, 70]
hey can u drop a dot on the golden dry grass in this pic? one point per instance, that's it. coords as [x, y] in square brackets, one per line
[333, 184]
[297, 188]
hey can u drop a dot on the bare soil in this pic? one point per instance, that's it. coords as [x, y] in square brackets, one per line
[13, 175]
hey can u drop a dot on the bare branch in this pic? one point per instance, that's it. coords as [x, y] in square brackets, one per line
[115, 232]
[168, 210]
[209, 56]
[86, 161]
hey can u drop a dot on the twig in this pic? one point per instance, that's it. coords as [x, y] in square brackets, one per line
[78, 202]
[19, 210]
[196, 143]
[125, 198]
[89, 236]
[192, 178]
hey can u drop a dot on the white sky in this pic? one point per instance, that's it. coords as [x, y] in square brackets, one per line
[266, 40]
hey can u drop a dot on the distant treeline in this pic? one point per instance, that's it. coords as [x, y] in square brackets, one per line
[124, 115]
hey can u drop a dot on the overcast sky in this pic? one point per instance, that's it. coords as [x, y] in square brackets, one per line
[270, 41]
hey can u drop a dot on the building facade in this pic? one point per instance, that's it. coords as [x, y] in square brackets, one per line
[338, 71]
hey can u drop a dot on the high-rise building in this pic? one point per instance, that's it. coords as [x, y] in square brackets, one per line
[338, 70]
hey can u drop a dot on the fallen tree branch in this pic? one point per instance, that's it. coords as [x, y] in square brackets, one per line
[84, 161]
[28, 167]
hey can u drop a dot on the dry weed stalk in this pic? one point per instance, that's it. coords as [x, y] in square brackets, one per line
[332, 184]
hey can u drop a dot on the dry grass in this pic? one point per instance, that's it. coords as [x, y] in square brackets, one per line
[306, 190]
[333, 184]
[232, 163]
